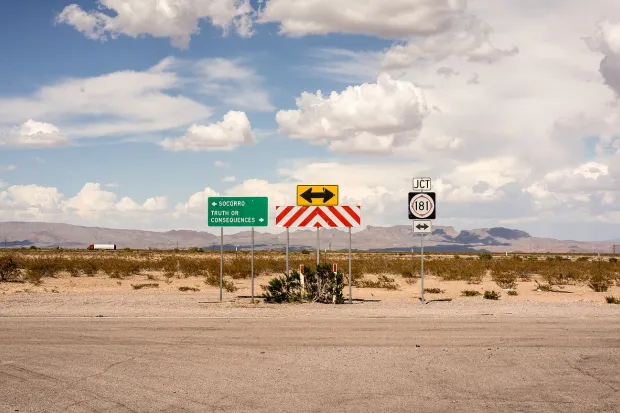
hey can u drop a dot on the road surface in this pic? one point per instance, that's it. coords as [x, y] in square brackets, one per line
[309, 364]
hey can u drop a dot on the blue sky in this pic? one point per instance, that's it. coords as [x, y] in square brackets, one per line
[92, 92]
[44, 53]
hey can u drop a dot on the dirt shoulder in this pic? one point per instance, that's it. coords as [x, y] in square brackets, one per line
[108, 297]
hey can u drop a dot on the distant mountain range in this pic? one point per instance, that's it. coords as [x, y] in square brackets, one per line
[395, 238]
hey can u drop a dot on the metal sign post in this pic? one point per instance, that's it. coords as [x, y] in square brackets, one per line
[318, 258]
[318, 247]
[221, 260]
[350, 287]
[422, 267]
[335, 269]
[287, 243]
[252, 265]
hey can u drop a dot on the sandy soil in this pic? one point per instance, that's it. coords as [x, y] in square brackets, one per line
[406, 292]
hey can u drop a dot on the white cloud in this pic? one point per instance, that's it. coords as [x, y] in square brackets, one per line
[158, 203]
[91, 206]
[229, 179]
[470, 38]
[220, 164]
[32, 134]
[111, 185]
[527, 101]
[174, 19]
[234, 130]
[607, 41]
[370, 118]
[7, 168]
[396, 19]
[236, 84]
[124, 102]
[431, 29]
[484, 193]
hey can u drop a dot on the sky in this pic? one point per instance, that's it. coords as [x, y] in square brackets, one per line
[131, 113]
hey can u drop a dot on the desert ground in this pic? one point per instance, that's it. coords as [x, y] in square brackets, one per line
[98, 332]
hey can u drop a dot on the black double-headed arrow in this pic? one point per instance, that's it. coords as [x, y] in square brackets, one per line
[421, 226]
[309, 196]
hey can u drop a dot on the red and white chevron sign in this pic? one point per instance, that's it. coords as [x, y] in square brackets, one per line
[318, 216]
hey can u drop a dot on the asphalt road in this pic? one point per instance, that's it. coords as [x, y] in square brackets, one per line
[309, 364]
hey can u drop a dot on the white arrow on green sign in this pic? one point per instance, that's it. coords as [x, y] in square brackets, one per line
[232, 211]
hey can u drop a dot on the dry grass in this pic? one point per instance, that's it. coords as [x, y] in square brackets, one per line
[187, 288]
[36, 265]
[144, 285]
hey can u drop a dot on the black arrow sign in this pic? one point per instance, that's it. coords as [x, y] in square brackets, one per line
[308, 195]
[420, 226]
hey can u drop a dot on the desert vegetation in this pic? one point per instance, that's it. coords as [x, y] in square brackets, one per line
[389, 271]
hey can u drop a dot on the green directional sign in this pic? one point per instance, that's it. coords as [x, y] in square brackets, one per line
[231, 211]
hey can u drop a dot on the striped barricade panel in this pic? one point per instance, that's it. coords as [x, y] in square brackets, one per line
[343, 216]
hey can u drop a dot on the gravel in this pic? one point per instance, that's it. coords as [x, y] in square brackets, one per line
[174, 304]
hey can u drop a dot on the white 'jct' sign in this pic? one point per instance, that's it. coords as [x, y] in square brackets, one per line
[421, 184]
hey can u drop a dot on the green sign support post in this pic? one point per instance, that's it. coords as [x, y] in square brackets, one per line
[237, 212]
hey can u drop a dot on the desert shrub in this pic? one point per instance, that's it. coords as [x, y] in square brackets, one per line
[612, 300]
[598, 283]
[9, 271]
[613, 260]
[491, 295]
[33, 276]
[186, 288]
[320, 285]
[513, 293]
[213, 280]
[73, 270]
[144, 285]
[41, 267]
[470, 293]
[284, 289]
[383, 281]
[169, 266]
[565, 273]
[582, 259]
[485, 256]
[505, 279]
[466, 270]
[543, 287]
[434, 291]
[188, 267]
[239, 267]
[119, 267]
[330, 284]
